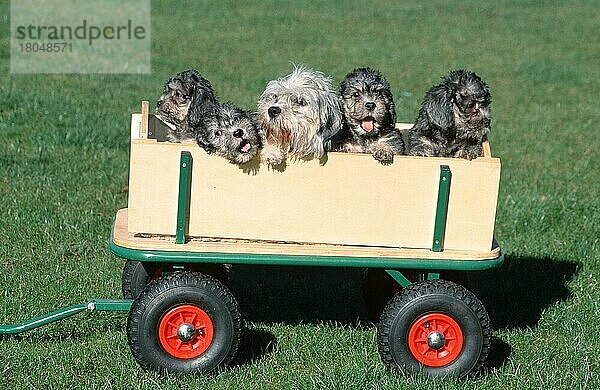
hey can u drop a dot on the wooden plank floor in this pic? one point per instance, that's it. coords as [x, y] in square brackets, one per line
[122, 237]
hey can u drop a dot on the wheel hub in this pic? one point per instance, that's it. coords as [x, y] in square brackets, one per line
[186, 332]
[436, 340]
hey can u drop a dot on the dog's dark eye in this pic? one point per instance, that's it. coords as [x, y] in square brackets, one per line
[355, 95]
[218, 133]
[299, 101]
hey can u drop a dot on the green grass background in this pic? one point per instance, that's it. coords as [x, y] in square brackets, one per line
[64, 161]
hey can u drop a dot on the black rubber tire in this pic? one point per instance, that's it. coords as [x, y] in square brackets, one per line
[136, 275]
[434, 296]
[379, 287]
[182, 288]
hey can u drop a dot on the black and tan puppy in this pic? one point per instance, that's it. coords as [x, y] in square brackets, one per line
[454, 118]
[231, 133]
[186, 98]
[369, 116]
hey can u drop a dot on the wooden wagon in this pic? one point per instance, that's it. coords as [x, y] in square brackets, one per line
[417, 223]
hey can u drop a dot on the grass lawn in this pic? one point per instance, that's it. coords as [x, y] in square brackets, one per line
[64, 151]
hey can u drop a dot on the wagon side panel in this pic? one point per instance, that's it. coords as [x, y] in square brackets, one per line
[350, 200]
[472, 204]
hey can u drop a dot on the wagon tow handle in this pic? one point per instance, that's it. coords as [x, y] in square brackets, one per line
[92, 305]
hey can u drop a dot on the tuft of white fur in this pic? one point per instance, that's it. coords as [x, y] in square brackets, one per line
[310, 115]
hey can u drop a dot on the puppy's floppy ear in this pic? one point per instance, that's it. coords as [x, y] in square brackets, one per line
[200, 125]
[202, 140]
[331, 117]
[390, 107]
[203, 98]
[255, 122]
[438, 107]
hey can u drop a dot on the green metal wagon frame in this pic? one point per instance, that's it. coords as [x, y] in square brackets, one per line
[183, 318]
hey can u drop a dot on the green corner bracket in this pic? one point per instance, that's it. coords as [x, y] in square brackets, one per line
[183, 198]
[442, 208]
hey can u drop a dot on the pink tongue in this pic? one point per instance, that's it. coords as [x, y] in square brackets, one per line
[246, 147]
[367, 125]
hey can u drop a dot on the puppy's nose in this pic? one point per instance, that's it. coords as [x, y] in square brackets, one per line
[370, 106]
[274, 111]
[239, 133]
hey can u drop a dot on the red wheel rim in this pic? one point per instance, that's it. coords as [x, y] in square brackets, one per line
[435, 339]
[185, 347]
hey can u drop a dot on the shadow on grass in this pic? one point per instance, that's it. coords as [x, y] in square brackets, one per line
[498, 355]
[517, 293]
[255, 345]
[293, 295]
[515, 296]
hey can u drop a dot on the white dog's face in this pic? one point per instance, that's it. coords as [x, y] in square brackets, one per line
[299, 112]
[291, 112]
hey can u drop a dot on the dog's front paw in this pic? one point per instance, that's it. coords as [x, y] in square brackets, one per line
[272, 155]
[471, 156]
[468, 153]
[384, 156]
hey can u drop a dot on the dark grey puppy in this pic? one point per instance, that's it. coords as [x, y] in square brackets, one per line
[231, 133]
[185, 99]
[454, 118]
[369, 116]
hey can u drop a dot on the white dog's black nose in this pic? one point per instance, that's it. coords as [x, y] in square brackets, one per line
[239, 133]
[370, 106]
[274, 111]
